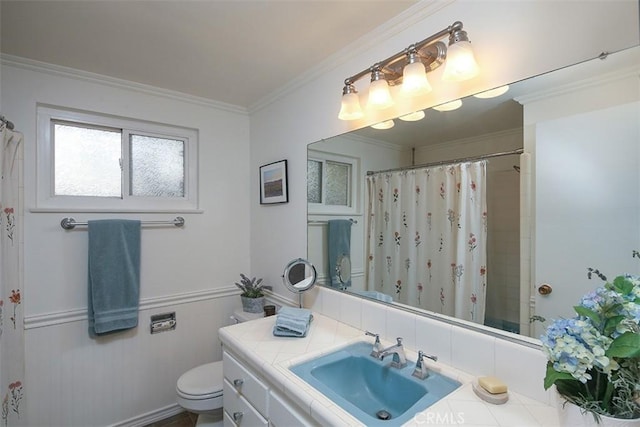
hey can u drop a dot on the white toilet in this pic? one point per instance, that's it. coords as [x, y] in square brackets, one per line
[199, 390]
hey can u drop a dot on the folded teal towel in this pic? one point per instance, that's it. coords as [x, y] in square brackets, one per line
[114, 275]
[292, 322]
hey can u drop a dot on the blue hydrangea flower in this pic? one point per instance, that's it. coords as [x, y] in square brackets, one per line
[575, 346]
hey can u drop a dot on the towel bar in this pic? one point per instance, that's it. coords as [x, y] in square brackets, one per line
[70, 223]
[353, 221]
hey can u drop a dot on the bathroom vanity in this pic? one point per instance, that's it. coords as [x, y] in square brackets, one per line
[260, 389]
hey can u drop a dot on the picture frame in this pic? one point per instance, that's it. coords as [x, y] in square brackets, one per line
[274, 186]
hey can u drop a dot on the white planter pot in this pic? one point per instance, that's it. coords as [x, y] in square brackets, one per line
[571, 415]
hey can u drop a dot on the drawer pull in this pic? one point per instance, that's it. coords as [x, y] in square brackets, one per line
[238, 382]
[237, 416]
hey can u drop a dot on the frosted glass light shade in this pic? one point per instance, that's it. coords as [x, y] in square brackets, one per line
[388, 124]
[449, 106]
[492, 93]
[414, 79]
[413, 117]
[379, 95]
[350, 109]
[461, 64]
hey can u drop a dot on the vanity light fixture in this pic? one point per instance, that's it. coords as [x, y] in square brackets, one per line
[387, 124]
[350, 109]
[414, 76]
[409, 68]
[413, 117]
[461, 64]
[449, 106]
[492, 93]
[379, 95]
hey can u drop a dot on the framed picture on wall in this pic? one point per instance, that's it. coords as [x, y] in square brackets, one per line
[273, 183]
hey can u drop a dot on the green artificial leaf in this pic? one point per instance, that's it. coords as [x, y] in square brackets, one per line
[552, 376]
[586, 312]
[626, 345]
[623, 285]
[611, 323]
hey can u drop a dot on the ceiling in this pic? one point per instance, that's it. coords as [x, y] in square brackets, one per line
[235, 52]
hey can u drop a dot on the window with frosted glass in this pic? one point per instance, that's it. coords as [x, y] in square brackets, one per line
[314, 181]
[328, 182]
[87, 161]
[156, 166]
[337, 183]
[99, 162]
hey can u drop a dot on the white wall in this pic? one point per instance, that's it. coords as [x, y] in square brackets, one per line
[512, 40]
[73, 380]
[591, 213]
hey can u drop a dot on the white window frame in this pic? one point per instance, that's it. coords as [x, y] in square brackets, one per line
[321, 208]
[46, 199]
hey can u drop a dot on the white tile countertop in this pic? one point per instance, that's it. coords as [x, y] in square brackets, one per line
[271, 356]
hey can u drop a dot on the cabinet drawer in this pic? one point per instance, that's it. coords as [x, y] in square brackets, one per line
[245, 383]
[283, 414]
[238, 411]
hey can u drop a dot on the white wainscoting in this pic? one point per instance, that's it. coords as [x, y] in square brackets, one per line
[124, 379]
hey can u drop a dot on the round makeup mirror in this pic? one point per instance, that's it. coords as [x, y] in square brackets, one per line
[299, 275]
[343, 270]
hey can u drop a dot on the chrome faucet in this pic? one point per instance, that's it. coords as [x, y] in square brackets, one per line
[399, 358]
[377, 345]
[421, 371]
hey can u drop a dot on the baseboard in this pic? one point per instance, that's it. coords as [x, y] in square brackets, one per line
[151, 417]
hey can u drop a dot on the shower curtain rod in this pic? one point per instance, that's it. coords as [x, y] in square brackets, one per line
[6, 122]
[451, 162]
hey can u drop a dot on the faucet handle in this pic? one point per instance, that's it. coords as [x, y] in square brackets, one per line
[377, 336]
[421, 371]
[399, 339]
[372, 334]
[422, 355]
[377, 345]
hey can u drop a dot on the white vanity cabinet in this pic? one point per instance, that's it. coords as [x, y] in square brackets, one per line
[245, 397]
[250, 401]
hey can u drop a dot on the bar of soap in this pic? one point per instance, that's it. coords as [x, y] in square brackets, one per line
[492, 384]
[496, 399]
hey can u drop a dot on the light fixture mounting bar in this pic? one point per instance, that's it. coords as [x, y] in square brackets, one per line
[386, 63]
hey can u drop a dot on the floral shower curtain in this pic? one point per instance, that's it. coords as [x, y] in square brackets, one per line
[427, 236]
[11, 315]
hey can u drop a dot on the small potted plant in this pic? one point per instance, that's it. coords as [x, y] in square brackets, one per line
[594, 357]
[252, 296]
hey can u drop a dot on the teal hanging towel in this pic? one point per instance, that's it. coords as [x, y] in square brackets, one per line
[339, 245]
[114, 275]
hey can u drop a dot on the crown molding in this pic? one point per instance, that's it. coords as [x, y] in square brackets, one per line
[374, 142]
[624, 73]
[390, 28]
[58, 70]
[471, 140]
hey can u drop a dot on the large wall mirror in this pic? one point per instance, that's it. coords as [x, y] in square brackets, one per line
[492, 213]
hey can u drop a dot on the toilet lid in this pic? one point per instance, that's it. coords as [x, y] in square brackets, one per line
[201, 382]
